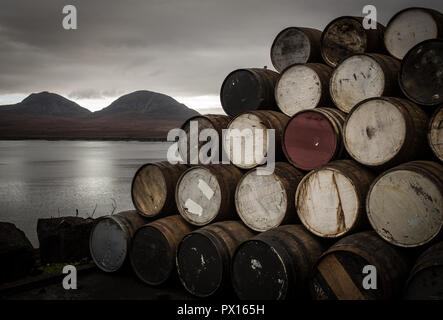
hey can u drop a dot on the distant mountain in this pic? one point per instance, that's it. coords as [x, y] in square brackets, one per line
[46, 104]
[138, 115]
[146, 103]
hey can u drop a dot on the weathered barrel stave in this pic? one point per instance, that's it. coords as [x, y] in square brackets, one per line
[350, 182]
[338, 273]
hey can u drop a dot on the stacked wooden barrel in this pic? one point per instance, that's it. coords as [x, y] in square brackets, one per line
[331, 181]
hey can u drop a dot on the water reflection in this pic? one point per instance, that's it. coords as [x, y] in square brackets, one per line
[50, 178]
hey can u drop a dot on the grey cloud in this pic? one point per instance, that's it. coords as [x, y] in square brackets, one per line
[177, 47]
[93, 94]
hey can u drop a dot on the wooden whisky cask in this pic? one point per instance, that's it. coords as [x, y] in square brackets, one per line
[383, 132]
[190, 152]
[364, 76]
[435, 133]
[314, 137]
[204, 257]
[205, 193]
[111, 239]
[246, 141]
[153, 188]
[330, 200]
[346, 36]
[426, 278]
[338, 274]
[264, 202]
[405, 204]
[275, 264]
[246, 90]
[411, 26]
[421, 73]
[303, 86]
[154, 248]
[295, 45]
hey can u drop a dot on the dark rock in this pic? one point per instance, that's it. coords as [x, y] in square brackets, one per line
[64, 239]
[16, 253]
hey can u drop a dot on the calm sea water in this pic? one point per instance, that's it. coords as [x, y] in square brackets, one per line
[42, 179]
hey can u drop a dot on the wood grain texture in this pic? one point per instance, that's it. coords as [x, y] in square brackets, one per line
[302, 87]
[409, 27]
[330, 200]
[205, 193]
[338, 273]
[264, 202]
[383, 132]
[295, 45]
[435, 133]
[153, 188]
[363, 76]
[405, 204]
[338, 279]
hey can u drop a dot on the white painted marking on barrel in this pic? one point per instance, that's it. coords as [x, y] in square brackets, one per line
[357, 78]
[193, 207]
[255, 264]
[207, 191]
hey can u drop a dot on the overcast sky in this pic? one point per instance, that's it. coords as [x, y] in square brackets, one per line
[183, 48]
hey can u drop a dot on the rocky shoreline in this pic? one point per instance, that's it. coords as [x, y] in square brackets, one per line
[63, 240]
